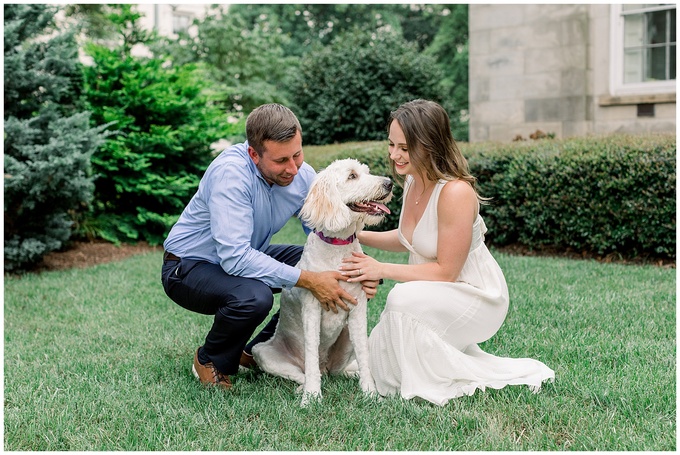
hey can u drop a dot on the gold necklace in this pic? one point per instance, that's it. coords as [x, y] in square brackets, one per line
[421, 194]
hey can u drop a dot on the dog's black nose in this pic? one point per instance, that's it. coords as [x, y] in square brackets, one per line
[387, 185]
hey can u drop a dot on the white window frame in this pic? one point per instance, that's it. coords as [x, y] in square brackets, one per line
[616, 84]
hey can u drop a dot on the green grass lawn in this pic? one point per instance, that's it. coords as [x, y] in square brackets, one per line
[100, 359]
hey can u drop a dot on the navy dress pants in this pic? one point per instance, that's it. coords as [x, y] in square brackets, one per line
[239, 305]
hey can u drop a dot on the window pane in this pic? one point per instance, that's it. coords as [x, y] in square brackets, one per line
[656, 64]
[633, 30]
[180, 22]
[672, 14]
[656, 27]
[672, 62]
[632, 66]
[649, 44]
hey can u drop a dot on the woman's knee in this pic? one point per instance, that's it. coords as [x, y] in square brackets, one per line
[403, 297]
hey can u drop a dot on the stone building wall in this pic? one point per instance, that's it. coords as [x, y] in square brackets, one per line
[546, 67]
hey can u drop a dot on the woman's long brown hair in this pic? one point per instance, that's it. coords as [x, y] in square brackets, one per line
[431, 146]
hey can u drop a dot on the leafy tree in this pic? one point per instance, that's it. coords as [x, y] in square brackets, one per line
[245, 61]
[420, 22]
[450, 49]
[148, 170]
[345, 91]
[48, 138]
[439, 30]
[91, 19]
[312, 24]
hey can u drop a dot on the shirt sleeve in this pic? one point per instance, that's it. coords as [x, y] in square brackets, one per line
[232, 218]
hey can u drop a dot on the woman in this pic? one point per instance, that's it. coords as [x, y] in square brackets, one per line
[452, 294]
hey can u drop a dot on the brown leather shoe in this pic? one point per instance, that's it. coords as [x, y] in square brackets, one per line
[209, 375]
[247, 361]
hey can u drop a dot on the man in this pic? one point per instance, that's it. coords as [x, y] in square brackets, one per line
[218, 259]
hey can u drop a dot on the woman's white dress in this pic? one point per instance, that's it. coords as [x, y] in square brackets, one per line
[425, 344]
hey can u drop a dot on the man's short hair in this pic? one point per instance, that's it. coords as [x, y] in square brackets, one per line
[270, 122]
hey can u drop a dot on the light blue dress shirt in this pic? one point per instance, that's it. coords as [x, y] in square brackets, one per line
[233, 216]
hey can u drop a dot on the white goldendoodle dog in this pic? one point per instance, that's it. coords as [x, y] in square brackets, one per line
[308, 340]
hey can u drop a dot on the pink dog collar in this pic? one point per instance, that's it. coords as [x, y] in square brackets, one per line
[336, 241]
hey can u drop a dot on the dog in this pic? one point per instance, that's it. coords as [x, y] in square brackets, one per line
[308, 341]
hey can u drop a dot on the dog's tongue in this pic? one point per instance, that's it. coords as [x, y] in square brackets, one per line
[379, 207]
[372, 208]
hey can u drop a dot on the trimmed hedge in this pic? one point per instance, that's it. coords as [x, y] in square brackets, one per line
[600, 195]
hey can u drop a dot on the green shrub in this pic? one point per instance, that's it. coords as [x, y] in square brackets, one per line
[599, 195]
[149, 169]
[48, 139]
[346, 90]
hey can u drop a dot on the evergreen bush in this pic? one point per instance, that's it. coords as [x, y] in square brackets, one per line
[165, 123]
[346, 90]
[48, 138]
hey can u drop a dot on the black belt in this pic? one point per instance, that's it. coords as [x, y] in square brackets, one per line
[167, 256]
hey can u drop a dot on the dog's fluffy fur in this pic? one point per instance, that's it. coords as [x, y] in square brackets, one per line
[308, 340]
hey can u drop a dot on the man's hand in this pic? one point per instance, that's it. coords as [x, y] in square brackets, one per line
[326, 289]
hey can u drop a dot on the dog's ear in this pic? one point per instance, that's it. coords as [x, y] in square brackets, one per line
[324, 209]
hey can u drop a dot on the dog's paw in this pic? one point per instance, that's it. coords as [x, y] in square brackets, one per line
[351, 370]
[368, 386]
[309, 397]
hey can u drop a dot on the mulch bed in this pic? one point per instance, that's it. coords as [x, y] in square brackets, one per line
[521, 250]
[86, 254]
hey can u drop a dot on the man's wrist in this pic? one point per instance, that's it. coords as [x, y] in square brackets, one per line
[305, 280]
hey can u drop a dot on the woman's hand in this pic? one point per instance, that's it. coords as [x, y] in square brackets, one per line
[370, 288]
[361, 267]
